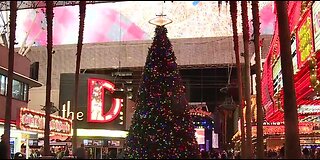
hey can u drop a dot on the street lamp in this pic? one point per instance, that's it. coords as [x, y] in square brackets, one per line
[53, 108]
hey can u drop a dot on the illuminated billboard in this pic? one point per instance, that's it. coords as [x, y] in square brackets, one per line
[277, 76]
[98, 108]
[215, 140]
[30, 120]
[96, 112]
[304, 38]
[294, 53]
[200, 136]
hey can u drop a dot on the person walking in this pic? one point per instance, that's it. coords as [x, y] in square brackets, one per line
[80, 152]
[66, 151]
[3, 148]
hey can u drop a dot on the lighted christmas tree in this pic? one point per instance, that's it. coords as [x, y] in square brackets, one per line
[161, 125]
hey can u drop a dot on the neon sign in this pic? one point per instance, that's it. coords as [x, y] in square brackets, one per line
[309, 109]
[35, 121]
[95, 112]
[280, 129]
[67, 112]
[304, 38]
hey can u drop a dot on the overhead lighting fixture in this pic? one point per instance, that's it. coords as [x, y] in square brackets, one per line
[122, 74]
[102, 133]
[160, 20]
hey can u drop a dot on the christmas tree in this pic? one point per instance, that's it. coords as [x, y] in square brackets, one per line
[161, 125]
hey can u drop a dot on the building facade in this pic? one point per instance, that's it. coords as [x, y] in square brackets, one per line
[20, 96]
[304, 28]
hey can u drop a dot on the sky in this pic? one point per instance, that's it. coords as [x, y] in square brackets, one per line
[129, 21]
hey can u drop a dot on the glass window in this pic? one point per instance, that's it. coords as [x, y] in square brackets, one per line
[3, 85]
[19, 90]
[16, 89]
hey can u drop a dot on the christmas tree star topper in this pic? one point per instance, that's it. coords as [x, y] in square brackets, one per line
[160, 20]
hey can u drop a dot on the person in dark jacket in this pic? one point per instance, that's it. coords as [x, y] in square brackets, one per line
[22, 153]
[66, 151]
[19, 155]
[3, 148]
[80, 152]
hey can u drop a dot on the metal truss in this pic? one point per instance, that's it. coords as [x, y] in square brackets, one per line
[5, 5]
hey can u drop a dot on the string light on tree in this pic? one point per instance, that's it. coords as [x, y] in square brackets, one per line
[162, 127]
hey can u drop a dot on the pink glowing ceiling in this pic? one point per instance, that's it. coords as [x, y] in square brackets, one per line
[128, 21]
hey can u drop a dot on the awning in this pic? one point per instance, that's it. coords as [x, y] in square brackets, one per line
[21, 78]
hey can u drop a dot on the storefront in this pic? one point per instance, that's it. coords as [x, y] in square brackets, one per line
[204, 126]
[21, 84]
[101, 116]
[274, 135]
[305, 45]
[18, 137]
[30, 121]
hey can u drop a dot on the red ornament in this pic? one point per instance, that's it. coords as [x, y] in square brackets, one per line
[182, 148]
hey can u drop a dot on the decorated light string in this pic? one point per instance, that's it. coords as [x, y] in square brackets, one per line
[315, 83]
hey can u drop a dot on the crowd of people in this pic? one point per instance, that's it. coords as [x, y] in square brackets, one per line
[65, 152]
[56, 153]
[219, 154]
[306, 153]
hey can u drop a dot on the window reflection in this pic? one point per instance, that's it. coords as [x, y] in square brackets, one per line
[2, 84]
[16, 89]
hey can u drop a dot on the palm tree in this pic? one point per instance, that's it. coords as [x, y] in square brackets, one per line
[82, 10]
[49, 14]
[247, 94]
[292, 143]
[12, 37]
[256, 32]
[233, 13]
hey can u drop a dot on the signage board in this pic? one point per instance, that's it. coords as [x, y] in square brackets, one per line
[99, 106]
[309, 109]
[215, 140]
[96, 111]
[280, 129]
[277, 76]
[294, 54]
[30, 120]
[200, 136]
[304, 38]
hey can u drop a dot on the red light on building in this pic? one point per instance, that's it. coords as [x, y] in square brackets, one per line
[95, 112]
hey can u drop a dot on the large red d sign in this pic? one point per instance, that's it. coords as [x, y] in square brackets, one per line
[95, 112]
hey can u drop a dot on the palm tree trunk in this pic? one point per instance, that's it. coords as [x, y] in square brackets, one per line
[82, 8]
[292, 143]
[245, 31]
[256, 31]
[233, 12]
[49, 13]
[12, 37]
